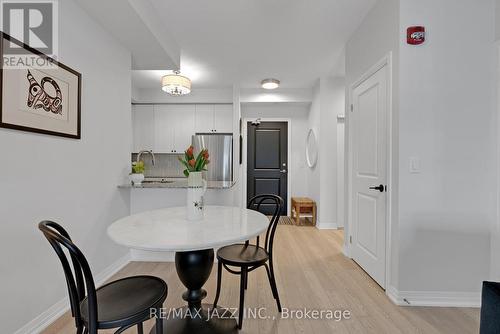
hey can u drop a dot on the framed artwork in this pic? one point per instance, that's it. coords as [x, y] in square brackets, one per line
[41, 99]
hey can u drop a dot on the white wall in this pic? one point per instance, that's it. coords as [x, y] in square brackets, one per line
[313, 174]
[443, 95]
[298, 131]
[341, 171]
[328, 102]
[377, 37]
[497, 20]
[447, 119]
[73, 182]
[495, 229]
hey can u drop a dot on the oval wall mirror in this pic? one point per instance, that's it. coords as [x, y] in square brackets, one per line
[311, 149]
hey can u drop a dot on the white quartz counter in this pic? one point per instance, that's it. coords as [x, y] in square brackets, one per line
[178, 183]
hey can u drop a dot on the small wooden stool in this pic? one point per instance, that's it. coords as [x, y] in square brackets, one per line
[303, 207]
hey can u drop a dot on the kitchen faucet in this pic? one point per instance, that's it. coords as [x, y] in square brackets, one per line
[148, 152]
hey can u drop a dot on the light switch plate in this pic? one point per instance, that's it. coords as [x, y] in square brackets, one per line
[415, 165]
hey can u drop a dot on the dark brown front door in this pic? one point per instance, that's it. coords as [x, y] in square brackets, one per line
[267, 157]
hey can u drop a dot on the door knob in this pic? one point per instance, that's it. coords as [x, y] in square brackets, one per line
[380, 188]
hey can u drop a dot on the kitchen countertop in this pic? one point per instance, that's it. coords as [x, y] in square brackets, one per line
[180, 183]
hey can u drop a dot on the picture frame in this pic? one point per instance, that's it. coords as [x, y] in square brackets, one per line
[45, 100]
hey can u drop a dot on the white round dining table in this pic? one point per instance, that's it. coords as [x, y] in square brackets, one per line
[193, 243]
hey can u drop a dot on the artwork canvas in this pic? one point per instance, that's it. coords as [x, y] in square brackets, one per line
[40, 99]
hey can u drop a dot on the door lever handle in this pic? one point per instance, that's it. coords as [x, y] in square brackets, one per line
[283, 171]
[380, 188]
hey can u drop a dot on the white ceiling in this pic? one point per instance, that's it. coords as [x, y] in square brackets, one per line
[136, 25]
[226, 42]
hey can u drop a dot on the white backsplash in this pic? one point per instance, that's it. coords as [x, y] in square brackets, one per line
[166, 165]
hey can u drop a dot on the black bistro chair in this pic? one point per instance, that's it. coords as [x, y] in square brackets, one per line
[490, 308]
[249, 257]
[120, 304]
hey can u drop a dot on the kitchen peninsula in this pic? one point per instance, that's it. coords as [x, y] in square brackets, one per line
[152, 195]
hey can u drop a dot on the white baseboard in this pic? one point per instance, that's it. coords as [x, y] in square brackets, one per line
[434, 298]
[326, 226]
[54, 312]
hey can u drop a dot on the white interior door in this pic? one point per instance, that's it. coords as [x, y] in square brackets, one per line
[369, 139]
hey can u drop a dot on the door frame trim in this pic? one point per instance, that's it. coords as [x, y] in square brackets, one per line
[245, 152]
[386, 61]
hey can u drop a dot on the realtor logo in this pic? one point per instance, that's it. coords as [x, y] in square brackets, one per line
[32, 22]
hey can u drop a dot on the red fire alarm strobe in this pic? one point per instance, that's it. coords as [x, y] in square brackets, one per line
[416, 35]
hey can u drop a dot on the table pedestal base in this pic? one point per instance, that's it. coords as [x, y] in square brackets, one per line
[218, 322]
[193, 269]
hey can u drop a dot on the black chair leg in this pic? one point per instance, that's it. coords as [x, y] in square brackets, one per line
[244, 275]
[270, 280]
[79, 330]
[246, 282]
[219, 281]
[275, 287]
[140, 328]
[159, 323]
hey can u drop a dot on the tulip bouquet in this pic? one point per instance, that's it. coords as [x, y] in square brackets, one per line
[193, 164]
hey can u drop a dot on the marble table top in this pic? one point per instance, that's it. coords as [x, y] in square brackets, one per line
[169, 230]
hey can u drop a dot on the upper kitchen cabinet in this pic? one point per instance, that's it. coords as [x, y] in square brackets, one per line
[168, 128]
[223, 118]
[174, 127]
[212, 118]
[184, 126]
[143, 127]
[204, 118]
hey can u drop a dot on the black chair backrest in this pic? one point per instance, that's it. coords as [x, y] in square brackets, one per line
[272, 203]
[78, 276]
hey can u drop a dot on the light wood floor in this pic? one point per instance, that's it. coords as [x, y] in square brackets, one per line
[311, 273]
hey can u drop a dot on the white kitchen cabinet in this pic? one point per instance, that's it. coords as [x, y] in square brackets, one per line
[174, 127]
[210, 118]
[223, 118]
[184, 124]
[168, 128]
[164, 129]
[143, 128]
[204, 118]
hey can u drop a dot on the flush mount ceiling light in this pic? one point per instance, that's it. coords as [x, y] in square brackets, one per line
[270, 83]
[176, 84]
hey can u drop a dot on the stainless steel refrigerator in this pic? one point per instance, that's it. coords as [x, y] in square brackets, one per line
[220, 148]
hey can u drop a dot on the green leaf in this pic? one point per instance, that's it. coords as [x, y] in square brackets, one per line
[186, 172]
[184, 163]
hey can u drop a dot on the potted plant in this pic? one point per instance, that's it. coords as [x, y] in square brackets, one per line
[137, 175]
[196, 185]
